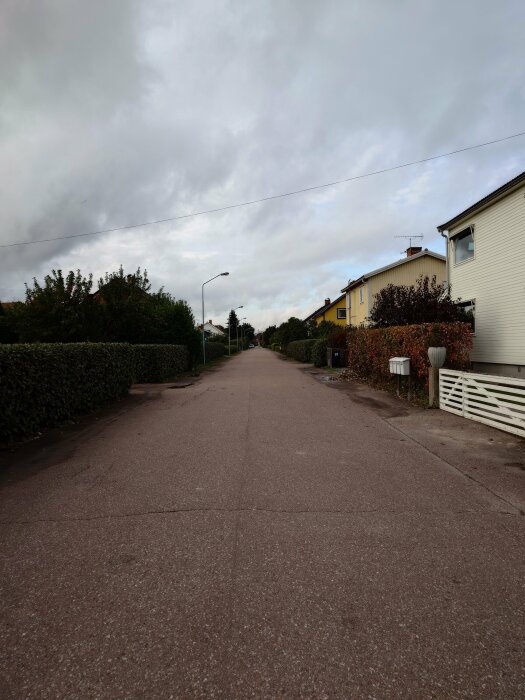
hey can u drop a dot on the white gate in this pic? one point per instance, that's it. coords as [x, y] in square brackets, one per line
[496, 401]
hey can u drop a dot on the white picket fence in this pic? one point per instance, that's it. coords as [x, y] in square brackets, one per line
[496, 401]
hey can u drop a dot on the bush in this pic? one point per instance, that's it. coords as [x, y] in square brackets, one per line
[155, 363]
[369, 350]
[213, 350]
[301, 350]
[232, 349]
[46, 384]
[319, 353]
[276, 347]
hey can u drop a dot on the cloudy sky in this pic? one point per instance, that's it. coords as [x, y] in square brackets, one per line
[126, 111]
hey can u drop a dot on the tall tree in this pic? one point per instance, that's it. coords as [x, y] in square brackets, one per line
[60, 310]
[425, 302]
[232, 323]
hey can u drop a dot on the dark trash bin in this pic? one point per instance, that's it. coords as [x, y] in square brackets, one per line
[336, 357]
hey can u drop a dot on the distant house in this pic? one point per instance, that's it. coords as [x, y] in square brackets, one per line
[211, 329]
[360, 292]
[334, 311]
[486, 269]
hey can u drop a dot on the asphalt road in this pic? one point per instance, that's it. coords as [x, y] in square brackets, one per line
[262, 534]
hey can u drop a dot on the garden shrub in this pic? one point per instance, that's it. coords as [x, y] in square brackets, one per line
[232, 349]
[156, 363]
[369, 350]
[43, 385]
[301, 350]
[214, 350]
[276, 347]
[319, 352]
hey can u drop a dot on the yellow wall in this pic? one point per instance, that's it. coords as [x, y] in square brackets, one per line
[331, 314]
[358, 311]
[405, 274]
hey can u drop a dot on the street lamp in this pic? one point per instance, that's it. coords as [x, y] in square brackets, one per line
[221, 274]
[241, 319]
[229, 329]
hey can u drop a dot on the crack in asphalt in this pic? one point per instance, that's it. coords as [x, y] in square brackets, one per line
[284, 511]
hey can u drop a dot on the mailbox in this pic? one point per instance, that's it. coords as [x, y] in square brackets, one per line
[400, 365]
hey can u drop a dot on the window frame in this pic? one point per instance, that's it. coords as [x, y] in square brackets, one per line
[361, 295]
[460, 235]
[341, 313]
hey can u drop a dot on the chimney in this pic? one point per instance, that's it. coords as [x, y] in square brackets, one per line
[326, 301]
[413, 250]
[210, 322]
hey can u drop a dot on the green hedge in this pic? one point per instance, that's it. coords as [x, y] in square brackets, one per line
[276, 347]
[301, 350]
[214, 350]
[233, 349]
[319, 352]
[155, 363]
[42, 385]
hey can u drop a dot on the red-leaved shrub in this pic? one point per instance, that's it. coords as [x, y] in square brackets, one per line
[369, 349]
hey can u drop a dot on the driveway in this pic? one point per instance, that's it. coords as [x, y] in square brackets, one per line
[263, 534]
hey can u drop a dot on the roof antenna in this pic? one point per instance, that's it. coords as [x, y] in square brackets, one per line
[420, 237]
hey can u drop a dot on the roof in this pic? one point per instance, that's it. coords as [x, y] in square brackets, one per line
[501, 192]
[355, 283]
[325, 307]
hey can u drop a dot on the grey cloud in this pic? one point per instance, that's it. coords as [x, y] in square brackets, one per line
[129, 111]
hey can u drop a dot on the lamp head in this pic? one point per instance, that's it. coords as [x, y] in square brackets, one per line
[224, 274]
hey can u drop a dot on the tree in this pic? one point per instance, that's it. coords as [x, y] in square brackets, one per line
[293, 329]
[232, 323]
[247, 332]
[60, 311]
[268, 334]
[321, 330]
[425, 302]
[8, 333]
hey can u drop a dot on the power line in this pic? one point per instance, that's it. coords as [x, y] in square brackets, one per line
[265, 199]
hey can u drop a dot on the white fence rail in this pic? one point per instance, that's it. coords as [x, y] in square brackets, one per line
[496, 401]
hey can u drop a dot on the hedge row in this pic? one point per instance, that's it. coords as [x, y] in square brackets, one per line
[301, 350]
[156, 363]
[42, 385]
[214, 350]
[319, 350]
[369, 349]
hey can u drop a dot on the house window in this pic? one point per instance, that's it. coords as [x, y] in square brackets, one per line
[361, 295]
[468, 309]
[341, 313]
[464, 245]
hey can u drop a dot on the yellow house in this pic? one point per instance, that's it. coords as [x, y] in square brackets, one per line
[360, 292]
[334, 311]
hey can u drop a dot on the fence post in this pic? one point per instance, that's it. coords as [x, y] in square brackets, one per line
[433, 387]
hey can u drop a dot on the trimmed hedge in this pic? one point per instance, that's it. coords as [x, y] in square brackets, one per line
[214, 350]
[369, 349]
[233, 349]
[42, 385]
[319, 352]
[276, 347]
[155, 363]
[301, 350]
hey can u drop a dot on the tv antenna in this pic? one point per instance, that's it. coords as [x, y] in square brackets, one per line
[410, 238]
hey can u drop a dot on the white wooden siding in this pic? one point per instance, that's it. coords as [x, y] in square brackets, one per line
[495, 278]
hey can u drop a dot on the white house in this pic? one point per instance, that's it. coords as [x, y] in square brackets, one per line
[210, 329]
[486, 269]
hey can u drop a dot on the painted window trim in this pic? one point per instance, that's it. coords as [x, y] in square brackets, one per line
[453, 240]
[341, 314]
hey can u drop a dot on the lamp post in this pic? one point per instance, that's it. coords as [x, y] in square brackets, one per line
[221, 274]
[242, 319]
[229, 329]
